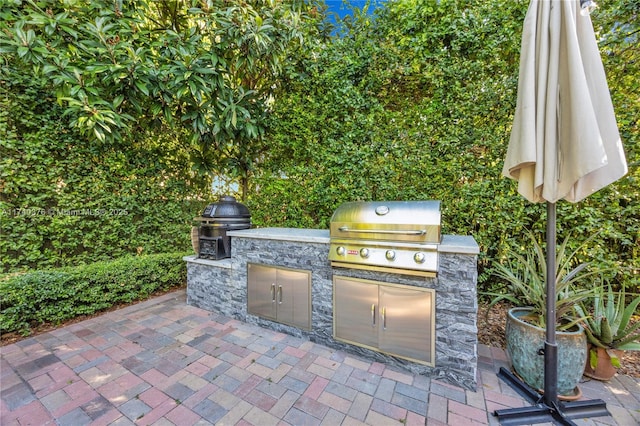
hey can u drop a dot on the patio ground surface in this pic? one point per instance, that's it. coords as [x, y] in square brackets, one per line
[162, 362]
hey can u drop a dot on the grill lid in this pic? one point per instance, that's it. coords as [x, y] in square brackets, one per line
[400, 221]
[226, 208]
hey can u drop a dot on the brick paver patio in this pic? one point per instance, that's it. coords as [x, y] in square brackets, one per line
[162, 362]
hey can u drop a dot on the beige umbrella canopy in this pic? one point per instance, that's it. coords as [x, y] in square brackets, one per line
[564, 144]
[564, 141]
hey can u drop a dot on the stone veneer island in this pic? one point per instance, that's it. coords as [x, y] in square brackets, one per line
[221, 286]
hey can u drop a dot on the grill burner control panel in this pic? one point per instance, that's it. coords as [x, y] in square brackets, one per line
[416, 259]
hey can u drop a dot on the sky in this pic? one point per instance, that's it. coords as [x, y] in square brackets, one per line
[339, 7]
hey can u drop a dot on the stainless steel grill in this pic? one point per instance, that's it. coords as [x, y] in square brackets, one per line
[388, 236]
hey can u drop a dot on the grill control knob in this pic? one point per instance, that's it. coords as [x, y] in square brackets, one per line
[341, 251]
[364, 252]
[390, 254]
[419, 257]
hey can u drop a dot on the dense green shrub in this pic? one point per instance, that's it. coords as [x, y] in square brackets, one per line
[56, 295]
[66, 200]
[418, 104]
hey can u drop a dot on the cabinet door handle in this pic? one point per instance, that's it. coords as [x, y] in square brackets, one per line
[280, 294]
[383, 312]
[273, 293]
[373, 315]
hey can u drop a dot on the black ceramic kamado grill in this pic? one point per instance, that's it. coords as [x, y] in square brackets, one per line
[216, 220]
[388, 236]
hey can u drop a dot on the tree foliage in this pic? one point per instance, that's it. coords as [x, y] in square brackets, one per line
[115, 115]
[117, 67]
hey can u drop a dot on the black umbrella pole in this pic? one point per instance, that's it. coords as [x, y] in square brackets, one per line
[550, 346]
[548, 408]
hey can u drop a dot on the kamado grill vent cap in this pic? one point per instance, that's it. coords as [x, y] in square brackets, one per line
[226, 207]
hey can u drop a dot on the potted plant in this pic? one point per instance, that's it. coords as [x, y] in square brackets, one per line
[525, 278]
[606, 320]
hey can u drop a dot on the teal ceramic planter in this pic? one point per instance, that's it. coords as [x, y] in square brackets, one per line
[524, 342]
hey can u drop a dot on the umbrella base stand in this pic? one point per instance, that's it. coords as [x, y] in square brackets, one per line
[542, 412]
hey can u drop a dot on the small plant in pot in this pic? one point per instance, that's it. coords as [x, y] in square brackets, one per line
[607, 322]
[525, 289]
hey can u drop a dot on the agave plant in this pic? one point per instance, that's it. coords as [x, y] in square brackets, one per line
[607, 323]
[526, 275]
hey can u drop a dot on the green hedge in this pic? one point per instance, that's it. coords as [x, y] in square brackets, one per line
[416, 104]
[66, 200]
[56, 295]
[419, 105]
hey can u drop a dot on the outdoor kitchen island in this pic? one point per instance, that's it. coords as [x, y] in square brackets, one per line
[294, 265]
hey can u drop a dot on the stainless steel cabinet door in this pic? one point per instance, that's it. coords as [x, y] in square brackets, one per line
[293, 298]
[391, 318]
[262, 291]
[406, 327]
[279, 294]
[355, 312]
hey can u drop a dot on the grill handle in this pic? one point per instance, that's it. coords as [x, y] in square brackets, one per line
[384, 231]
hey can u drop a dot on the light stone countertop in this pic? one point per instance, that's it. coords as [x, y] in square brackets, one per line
[463, 244]
[284, 234]
[221, 263]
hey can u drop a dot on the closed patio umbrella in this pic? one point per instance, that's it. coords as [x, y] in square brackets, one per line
[564, 141]
[564, 144]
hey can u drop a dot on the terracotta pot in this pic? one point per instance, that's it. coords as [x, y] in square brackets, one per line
[524, 343]
[604, 370]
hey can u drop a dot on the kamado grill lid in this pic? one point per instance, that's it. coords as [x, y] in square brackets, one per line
[226, 208]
